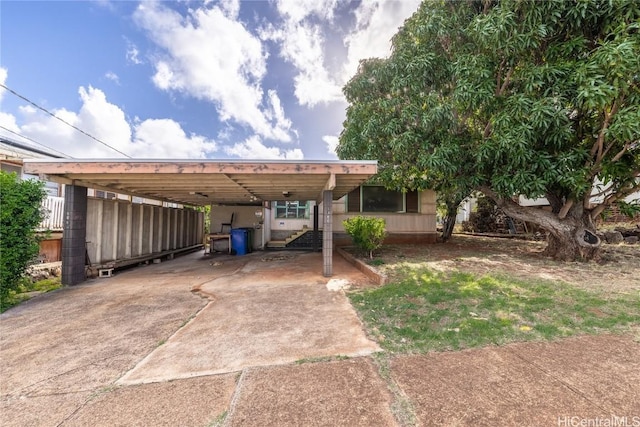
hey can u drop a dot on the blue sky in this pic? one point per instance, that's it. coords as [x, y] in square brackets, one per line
[183, 79]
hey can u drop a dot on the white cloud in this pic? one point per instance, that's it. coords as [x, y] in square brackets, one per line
[163, 76]
[298, 10]
[277, 112]
[3, 79]
[302, 40]
[151, 138]
[110, 75]
[332, 143]
[302, 43]
[376, 23]
[253, 148]
[231, 7]
[133, 54]
[166, 139]
[210, 55]
[6, 120]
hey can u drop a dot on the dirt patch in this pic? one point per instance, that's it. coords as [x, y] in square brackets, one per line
[191, 402]
[524, 384]
[617, 272]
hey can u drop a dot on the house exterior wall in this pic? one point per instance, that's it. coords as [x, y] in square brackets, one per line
[244, 217]
[418, 227]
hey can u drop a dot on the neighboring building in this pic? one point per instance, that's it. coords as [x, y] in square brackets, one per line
[12, 154]
[104, 208]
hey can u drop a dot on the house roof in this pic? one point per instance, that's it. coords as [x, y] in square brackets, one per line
[17, 151]
[204, 182]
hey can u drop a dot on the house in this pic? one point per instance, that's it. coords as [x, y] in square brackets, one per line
[410, 217]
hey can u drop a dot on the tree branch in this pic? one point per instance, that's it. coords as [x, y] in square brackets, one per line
[620, 153]
[597, 149]
[487, 131]
[505, 83]
[565, 208]
[499, 79]
[547, 220]
[487, 6]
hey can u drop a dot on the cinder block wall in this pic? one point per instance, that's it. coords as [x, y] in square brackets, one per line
[119, 230]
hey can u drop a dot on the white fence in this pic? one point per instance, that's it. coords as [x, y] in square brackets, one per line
[54, 208]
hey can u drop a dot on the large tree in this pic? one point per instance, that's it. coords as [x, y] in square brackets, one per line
[531, 98]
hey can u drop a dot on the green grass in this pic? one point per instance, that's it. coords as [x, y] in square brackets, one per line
[437, 311]
[27, 290]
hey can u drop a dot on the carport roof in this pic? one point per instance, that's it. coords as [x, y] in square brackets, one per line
[203, 182]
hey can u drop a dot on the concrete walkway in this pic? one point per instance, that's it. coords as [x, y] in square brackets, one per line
[264, 339]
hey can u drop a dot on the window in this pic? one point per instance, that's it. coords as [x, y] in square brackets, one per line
[379, 199]
[105, 195]
[294, 209]
[11, 168]
[376, 198]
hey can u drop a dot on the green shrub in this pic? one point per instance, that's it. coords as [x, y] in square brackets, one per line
[367, 233]
[20, 215]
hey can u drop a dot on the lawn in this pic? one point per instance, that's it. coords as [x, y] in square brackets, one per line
[474, 293]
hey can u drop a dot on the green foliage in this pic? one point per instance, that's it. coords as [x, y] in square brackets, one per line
[430, 310]
[533, 98]
[20, 214]
[26, 289]
[630, 209]
[367, 233]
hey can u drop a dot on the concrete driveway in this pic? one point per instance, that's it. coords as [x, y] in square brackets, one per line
[264, 339]
[189, 317]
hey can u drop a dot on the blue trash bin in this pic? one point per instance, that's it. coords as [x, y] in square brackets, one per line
[250, 232]
[239, 241]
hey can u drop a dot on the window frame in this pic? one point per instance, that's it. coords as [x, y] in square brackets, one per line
[301, 205]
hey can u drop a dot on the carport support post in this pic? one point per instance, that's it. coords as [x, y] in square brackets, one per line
[327, 233]
[74, 235]
[315, 227]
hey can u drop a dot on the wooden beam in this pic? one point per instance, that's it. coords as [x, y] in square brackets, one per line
[222, 181]
[132, 166]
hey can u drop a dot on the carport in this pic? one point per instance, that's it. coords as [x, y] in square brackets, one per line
[196, 183]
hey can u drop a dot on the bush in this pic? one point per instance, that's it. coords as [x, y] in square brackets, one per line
[367, 233]
[20, 215]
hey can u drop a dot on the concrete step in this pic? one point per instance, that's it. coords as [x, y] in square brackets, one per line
[276, 244]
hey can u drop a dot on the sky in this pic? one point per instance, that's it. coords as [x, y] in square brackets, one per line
[221, 79]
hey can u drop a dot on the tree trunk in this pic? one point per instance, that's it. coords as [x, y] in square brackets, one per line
[573, 245]
[572, 238]
[448, 224]
[452, 204]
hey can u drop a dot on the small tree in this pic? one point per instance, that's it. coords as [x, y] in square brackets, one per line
[20, 215]
[367, 233]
